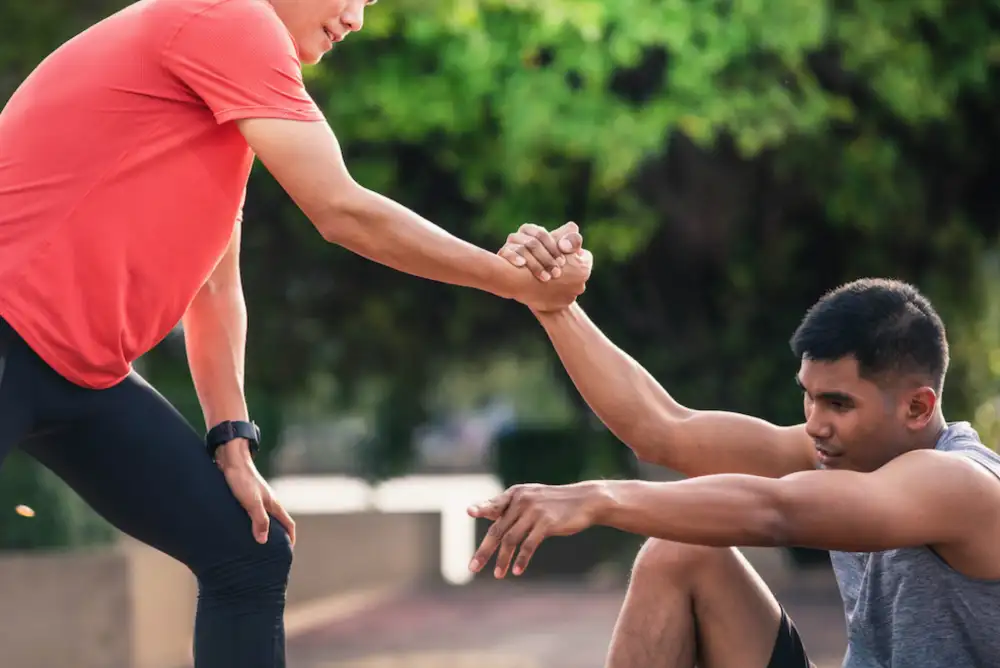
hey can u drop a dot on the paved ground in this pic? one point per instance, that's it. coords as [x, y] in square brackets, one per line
[521, 625]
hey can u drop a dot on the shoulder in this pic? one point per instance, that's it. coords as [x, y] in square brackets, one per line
[945, 475]
[227, 20]
[240, 39]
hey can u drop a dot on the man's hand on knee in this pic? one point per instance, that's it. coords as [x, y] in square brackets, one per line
[256, 497]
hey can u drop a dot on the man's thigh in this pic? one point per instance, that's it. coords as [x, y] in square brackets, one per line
[737, 615]
[130, 455]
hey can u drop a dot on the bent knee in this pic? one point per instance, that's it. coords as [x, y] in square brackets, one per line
[667, 559]
[251, 566]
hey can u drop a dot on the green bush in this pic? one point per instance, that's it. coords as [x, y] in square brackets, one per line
[539, 454]
[559, 456]
[61, 521]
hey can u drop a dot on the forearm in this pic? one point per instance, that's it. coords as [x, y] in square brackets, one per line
[215, 332]
[617, 388]
[383, 231]
[720, 510]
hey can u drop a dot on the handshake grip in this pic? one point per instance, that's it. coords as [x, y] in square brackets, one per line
[557, 260]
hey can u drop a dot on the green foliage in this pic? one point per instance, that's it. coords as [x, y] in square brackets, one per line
[539, 455]
[62, 520]
[728, 163]
[559, 456]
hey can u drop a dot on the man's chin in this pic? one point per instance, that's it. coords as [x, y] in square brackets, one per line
[311, 58]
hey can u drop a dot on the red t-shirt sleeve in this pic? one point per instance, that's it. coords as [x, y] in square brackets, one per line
[237, 56]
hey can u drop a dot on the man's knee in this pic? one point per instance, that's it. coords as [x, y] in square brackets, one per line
[665, 560]
[252, 570]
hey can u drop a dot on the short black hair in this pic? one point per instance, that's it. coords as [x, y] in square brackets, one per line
[888, 326]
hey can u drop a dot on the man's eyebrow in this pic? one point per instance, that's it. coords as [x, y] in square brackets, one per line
[828, 396]
[836, 396]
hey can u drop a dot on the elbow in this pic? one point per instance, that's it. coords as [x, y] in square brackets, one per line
[639, 439]
[781, 521]
[331, 220]
[773, 530]
[338, 217]
[652, 439]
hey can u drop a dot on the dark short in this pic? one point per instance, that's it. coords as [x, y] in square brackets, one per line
[788, 652]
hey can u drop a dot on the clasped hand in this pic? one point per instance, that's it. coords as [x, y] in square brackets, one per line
[556, 259]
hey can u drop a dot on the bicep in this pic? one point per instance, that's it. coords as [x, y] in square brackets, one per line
[699, 443]
[920, 498]
[304, 157]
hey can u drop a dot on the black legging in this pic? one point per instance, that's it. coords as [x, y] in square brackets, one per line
[137, 462]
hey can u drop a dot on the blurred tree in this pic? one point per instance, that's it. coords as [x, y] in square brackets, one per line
[728, 162]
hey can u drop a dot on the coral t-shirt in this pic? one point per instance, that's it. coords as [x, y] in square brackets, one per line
[122, 174]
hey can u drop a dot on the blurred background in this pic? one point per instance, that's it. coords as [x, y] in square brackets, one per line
[728, 162]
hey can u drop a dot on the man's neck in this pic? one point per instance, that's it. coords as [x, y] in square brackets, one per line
[931, 434]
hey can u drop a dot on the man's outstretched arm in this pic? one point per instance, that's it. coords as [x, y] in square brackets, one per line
[920, 498]
[640, 412]
[306, 159]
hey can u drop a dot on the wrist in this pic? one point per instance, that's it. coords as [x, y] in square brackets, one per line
[505, 280]
[600, 501]
[233, 442]
[557, 316]
[236, 453]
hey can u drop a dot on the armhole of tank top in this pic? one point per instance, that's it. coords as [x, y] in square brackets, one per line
[973, 455]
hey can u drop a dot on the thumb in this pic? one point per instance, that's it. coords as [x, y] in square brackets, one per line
[568, 237]
[484, 511]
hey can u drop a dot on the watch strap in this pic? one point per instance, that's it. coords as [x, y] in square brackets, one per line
[226, 431]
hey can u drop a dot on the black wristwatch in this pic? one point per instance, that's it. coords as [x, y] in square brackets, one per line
[226, 431]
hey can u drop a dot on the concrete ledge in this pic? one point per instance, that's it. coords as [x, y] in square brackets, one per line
[130, 606]
[65, 610]
[338, 553]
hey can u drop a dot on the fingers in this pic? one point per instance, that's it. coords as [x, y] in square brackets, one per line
[537, 256]
[259, 518]
[542, 246]
[280, 514]
[508, 253]
[532, 246]
[484, 511]
[543, 253]
[568, 238]
[486, 549]
[509, 542]
[493, 508]
[491, 541]
[528, 548]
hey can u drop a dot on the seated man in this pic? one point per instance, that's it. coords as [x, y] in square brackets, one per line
[908, 504]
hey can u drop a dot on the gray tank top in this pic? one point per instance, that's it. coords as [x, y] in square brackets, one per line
[908, 609]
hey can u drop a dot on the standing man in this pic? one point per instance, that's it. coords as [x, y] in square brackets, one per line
[908, 504]
[124, 159]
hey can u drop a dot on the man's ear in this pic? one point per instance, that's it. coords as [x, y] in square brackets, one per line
[920, 408]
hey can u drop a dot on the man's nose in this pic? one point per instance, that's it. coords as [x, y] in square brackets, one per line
[353, 19]
[818, 428]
